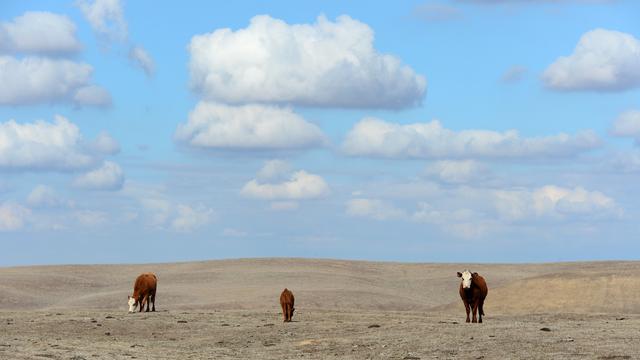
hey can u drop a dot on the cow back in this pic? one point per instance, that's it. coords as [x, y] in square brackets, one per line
[145, 284]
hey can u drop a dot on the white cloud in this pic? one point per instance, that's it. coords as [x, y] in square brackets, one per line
[141, 58]
[463, 223]
[161, 212]
[43, 196]
[274, 170]
[39, 32]
[42, 146]
[105, 144]
[474, 212]
[92, 95]
[456, 171]
[106, 18]
[108, 177]
[603, 60]
[190, 218]
[625, 161]
[373, 208]
[627, 125]
[33, 80]
[377, 138]
[300, 185]
[322, 64]
[554, 202]
[13, 216]
[247, 127]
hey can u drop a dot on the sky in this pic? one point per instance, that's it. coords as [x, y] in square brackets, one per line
[421, 131]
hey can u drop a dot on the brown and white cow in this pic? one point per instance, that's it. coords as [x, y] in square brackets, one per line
[473, 291]
[287, 301]
[144, 292]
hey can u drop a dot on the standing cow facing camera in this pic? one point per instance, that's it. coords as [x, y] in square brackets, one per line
[473, 291]
[144, 292]
[286, 302]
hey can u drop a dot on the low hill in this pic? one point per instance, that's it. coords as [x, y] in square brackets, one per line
[580, 287]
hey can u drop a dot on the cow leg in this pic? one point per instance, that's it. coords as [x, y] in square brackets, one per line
[153, 302]
[140, 303]
[290, 312]
[480, 311]
[475, 311]
[284, 311]
[466, 307]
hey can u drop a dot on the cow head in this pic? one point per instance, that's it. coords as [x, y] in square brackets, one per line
[466, 277]
[133, 303]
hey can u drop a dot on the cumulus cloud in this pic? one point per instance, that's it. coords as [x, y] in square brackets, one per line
[456, 171]
[105, 144]
[603, 60]
[472, 212]
[106, 18]
[299, 185]
[43, 146]
[39, 32]
[141, 58]
[190, 218]
[377, 138]
[33, 80]
[108, 177]
[161, 212]
[327, 63]
[627, 125]
[43, 196]
[92, 95]
[274, 170]
[463, 223]
[247, 127]
[373, 208]
[554, 202]
[13, 216]
[624, 161]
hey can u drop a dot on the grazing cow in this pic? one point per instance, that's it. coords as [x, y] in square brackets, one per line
[144, 292]
[473, 291]
[286, 301]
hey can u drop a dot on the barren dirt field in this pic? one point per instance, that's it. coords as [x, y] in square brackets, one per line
[344, 310]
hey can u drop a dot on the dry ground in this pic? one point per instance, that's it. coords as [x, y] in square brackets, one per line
[344, 309]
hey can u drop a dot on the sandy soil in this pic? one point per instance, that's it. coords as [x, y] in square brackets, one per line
[344, 309]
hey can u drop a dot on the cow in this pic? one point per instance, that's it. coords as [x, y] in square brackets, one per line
[287, 301]
[144, 292]
[473, 291]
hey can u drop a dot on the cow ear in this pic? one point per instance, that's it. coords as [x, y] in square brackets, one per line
[459, 274]
[474, 274]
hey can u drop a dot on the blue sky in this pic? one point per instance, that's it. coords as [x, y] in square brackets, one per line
[472, 131]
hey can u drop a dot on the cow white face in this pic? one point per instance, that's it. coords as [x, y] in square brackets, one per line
[466, 277]
[132, 304]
